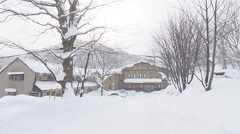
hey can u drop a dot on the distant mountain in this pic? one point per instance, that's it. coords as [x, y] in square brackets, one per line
[79, 60]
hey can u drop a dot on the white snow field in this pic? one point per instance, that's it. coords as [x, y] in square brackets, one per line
[195, 111]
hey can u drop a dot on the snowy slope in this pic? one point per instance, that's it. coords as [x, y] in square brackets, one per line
[193, 112]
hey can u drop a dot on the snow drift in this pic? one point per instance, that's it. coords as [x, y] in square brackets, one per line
[195, 111]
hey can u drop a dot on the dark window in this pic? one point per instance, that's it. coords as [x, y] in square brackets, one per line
[33, 94]
[129, 75]
[109, 87]
[49, 76]
[110, 77]
[48, 93]
[45, 76]
[164, 84]
[59, 93]
[16, 77]
[149, 87]
[53, 93]
[12, 93]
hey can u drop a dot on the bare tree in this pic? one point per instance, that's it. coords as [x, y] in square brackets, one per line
[233, 38]
[215, 15]
[104, 61]
[67, 17]
[179, 50]
[83, 74]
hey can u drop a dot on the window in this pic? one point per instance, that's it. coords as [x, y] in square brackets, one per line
[149, 87]
[49, 76]
[110, 87]
[48, 93]
[164, 84]
[110, 77]
[150, 75]
[16, 77]
[53, 93]
[59, 93]
[44, 77]
[140, 75]
[144, 75]
[11, 93]
[134, 75]
[34, 94]
[129, 75]
[157, 75]
[159, 86]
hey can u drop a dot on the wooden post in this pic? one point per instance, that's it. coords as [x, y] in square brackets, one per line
[55, 93]
[50, 94]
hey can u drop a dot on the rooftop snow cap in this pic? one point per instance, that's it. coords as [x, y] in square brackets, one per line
[10, 90]
[142, 80]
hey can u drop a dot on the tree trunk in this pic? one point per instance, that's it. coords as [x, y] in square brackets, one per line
[101, 91]
[67, 62]
[214, 48]
[208, 46]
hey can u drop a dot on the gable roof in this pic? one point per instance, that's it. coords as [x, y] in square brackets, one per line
[2, 69]
[35, 65]
[120, 69]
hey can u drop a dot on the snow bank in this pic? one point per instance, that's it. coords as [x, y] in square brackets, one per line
[69, 92]
[230, 72]
[195, 111]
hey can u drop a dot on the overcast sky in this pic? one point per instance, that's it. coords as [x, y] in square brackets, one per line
[134, 21]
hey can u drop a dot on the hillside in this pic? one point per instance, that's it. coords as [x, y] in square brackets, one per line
[195, 111]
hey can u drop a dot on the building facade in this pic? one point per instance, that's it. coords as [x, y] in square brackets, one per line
[141, 76]
[30, 77]
[16, 78]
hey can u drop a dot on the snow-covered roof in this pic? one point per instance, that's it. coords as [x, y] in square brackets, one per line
[38, 66]
[47, 85]
[119, 70]
[12, 73]
[4, 62]
[86, 84]
[139, 80]
[10, 90]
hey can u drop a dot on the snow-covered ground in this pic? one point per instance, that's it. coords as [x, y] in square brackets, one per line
[193, 112]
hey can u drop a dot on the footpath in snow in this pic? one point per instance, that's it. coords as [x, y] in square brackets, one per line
[193, 112]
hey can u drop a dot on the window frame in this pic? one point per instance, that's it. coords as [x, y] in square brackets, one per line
[129, 75]
[16, 77]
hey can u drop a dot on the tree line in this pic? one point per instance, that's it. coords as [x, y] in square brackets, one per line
[203, 34]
